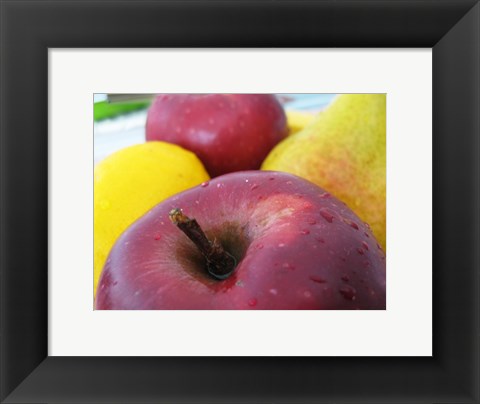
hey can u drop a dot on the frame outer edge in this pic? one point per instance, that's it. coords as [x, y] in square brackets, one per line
[34, 354]
[456, 76]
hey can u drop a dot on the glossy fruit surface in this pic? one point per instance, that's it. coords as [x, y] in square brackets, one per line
[343, 151]
[131, 181]
[296, 246]
[228, 132]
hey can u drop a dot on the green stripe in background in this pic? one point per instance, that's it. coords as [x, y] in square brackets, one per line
[104, 109]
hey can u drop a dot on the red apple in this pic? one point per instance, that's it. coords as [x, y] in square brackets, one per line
[228, 132]
[294, 246]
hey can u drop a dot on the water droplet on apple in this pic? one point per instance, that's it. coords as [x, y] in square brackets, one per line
[240, 283]
[317, 279]
[325, 195]
[350, 223]
[360, 251]
[305, 232]
[259, 246]
[287, 265]
[367, 225]
[345, 278]
[246, 180]
[326, 215]
[366, 234]
[307, 294]
[281, 245]
[365, 245]
[348, 292]
[157, 237]
[252, 302]
[289, 183]
[273, 291]
[312, 221]
[204, 184]
[254, 186]
[115, 283]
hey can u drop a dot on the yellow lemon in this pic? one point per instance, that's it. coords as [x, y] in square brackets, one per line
[297, 120]
[130, 182]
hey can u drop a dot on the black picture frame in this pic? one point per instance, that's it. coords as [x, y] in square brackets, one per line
[29, 28]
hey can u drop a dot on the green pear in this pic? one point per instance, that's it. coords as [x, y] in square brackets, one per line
[344, 152]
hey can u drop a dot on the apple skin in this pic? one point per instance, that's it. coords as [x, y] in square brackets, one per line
[228, 132]
[297, 247]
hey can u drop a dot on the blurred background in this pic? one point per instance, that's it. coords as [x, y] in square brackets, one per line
[120, 118]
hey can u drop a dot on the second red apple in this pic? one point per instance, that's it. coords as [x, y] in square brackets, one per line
[228, 132]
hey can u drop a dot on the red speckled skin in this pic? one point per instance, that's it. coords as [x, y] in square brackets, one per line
[228, 132]
[297, 246]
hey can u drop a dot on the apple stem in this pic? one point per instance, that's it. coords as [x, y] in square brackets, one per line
[220, 263]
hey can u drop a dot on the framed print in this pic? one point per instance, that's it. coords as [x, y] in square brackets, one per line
[423, 348]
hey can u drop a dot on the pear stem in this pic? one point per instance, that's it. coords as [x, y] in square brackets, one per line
[220, 263]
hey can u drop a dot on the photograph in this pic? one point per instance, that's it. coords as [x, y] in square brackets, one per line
[239, 201]
[194, 201]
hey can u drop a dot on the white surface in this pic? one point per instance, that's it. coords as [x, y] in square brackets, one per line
[405, 328]
[114, 134]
